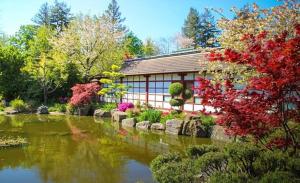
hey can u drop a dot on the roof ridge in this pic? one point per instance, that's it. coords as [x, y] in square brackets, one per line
[169, 55]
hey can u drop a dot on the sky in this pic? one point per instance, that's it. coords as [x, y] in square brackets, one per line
[146, 18]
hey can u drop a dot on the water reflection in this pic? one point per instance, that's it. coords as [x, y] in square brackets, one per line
[66, 149]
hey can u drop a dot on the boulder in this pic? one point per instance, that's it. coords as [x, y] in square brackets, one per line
[83, 110]
[101, 113]
[118, 116]
[219, 134]
[158, 126]
[174, 126]
[193, 128]
[42, 110]
[11, 112]
[129, 122]
[190, 117]
[113, 111]
[144, 125]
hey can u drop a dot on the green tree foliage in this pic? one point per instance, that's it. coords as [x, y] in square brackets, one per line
[114, 17]
[133, 46]
[60, 15]
[191, 26]
[43, 64]
[12, 82]
[114, 89]
[149, 48]
[201, 28]
[208, 30]
[22, 38]
[43, 16]
[56, 16]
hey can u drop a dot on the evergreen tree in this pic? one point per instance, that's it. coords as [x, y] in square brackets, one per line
[133, 46]
[113, 16]
[208, 30]
[191, 26]
[201, 28]
[60, 15]
[43, 16]
[150, 49]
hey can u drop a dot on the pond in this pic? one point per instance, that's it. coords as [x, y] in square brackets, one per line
[71, 149]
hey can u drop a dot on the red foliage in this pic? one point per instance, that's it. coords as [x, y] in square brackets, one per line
[268, 101]
[83, 93]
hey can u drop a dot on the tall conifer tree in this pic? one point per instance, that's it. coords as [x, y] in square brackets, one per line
[113, 15]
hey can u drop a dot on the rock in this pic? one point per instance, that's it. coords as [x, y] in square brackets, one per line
[83, 110]
[118, 116]
[219, 134]
[190, 117]
[10, 112]
[101, 113]
[193, 128]
[144, 125]
[157, 126]
[42, 110]
[174, 126]
[113, 111]
[129, 122]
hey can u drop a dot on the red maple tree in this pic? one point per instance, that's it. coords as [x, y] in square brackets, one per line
[84, 93]
[268, 102]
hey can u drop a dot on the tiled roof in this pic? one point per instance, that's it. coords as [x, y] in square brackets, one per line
[179, 62]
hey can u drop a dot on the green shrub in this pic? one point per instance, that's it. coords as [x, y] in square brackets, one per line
[230, 177]
[175, 89]
[207, 120]
[212, 162]
[243, 155]
[151, 115]
[176, 102]
[172, 168]
[132, 113]
[58, 108]
[71, 109]
[107, 107]
[278, 177]
[196, 151]
[207, 123]
[235, 163]
[172, 115]
[160, 160]
[18, 105]
[187, 94]
[176, 172]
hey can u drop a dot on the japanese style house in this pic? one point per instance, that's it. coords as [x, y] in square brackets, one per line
[150, 78]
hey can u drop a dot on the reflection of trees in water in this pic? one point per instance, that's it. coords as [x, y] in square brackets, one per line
[62, 159]
[75, 149]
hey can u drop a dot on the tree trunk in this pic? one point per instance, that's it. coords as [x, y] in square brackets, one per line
[45, 95]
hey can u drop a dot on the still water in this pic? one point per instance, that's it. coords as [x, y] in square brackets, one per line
[70, 149]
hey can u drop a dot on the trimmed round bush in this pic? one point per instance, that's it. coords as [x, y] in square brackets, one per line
[176, 102]
[175, 89]
[187, 94]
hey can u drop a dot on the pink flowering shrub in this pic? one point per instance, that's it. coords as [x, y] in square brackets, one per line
[83, 93]
[124, 106]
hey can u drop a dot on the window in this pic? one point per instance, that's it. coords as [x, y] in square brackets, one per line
[197, 100]
[167, 98]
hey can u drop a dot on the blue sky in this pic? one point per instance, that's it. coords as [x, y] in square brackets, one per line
[146, 18]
